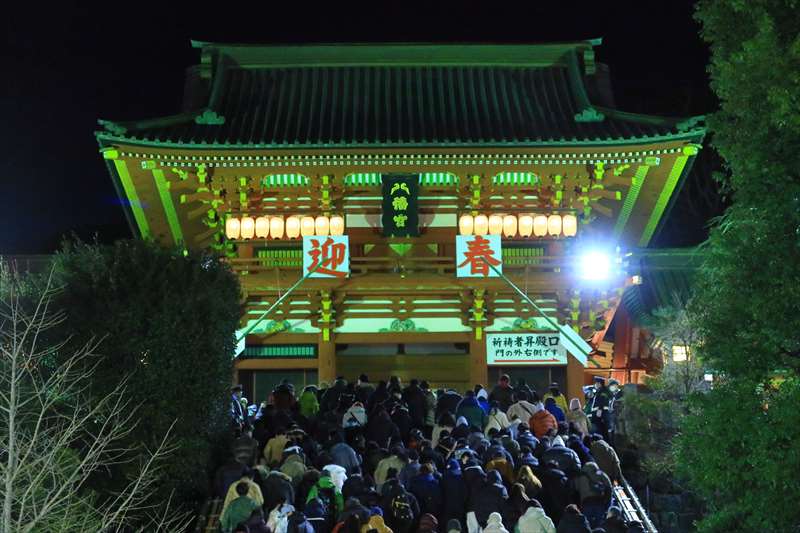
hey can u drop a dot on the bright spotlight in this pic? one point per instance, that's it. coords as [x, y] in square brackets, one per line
[595, 266]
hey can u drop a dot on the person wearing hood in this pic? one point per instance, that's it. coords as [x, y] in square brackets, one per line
[454, 493]
[542, 422]
[496, 418]
[402, 508]
[283, 396]
[226, 475]
[273, 451]
[253, 490]
[239, 509]
[594, 489]
[573, 521]
[503, 393]
[344, 455]
[375, 524]
[556, 491]
[615, 521]
[378, 398]
[470, 409]
[364, 390]
[577, 417]
[352, 506]
[483, 398]
[326, 490]
[294, 464]
[494, 524]
[245, 448]
[555, 394]
[381, 429]
[427, 489]
[567, 460]
[575, 443]
[521, 409]
[535, 520]
[461, 431]
[298, 523]
[402, 419]
[555, 410]
[446, 422]
[492, 497]
[430, 408]
[453, 526]
[410, 469]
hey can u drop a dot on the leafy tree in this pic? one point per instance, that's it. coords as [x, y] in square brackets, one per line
[168, 321]
[738, 446]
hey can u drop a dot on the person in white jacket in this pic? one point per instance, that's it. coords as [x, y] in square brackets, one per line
[497, 419]
[522, 410]
[495, 524]
[535, 520]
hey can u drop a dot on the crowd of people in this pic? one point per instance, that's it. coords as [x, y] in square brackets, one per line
[364, 458]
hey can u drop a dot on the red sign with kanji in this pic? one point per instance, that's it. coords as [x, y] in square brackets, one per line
[477, 254]
[329, 255]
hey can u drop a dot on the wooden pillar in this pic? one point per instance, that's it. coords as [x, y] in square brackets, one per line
[326, 359]
[575, 379]
[478, 371]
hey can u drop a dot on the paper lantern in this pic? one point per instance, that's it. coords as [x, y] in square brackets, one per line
[525, 226]
[321, 226]
[495, 225]
[569, 224]
[337, 225]
[276, 227]
[554, 225]
[233, 228]
[540, 225]
[509, 225]
[248, 227]
[293, 227]
[307, 226]
[262, 227]
[466, 224]
[481, 225]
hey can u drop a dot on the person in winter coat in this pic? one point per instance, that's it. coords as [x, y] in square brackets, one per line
[503, 393]
[245, 448]
[555, 410]
[577, 417]
[454, 493]
[600, 415]
[594, 489]
[381, 429]
[253, 490]
[542, 423]
[556, 491]
[309, 406]
[395, 462]
[276, 487]
[273, 451]
[555, 394]
[492, 497]
[414, 397]
[330, 400]
[325, 489]
[352, 506]
[402, 419]
[471, 411]
[566, 459]
[256, 522]
[226, 476]
[575, 444]
[427, 489]
[447, 401]
[430, 408]
[411, 468]
[606, 458]
[615, 521]
[378, 398]
[298, 523]
[528, 479]
[401, 507]
[525, 437]
[446, 422]
[496, 419]
[522, 409]
[344, 455]
[364, 390]
[294, 464]
[239, 509]
[503, 466]
[428, 524]
[573, 521]
[483, 398]
[495, 524]
[535, 520]
[375, 524]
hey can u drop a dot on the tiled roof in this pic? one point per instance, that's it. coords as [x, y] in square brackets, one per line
[411, 103]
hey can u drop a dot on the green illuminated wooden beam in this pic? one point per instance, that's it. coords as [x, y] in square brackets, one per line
[133, 197]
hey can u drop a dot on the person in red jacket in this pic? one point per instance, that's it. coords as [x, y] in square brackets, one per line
[542, 422]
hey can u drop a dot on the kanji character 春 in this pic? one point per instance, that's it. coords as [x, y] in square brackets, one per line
[400, 220]
[329, 255]
[400, 203]
[479, 256]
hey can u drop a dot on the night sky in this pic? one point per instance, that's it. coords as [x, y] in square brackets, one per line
[66, 65]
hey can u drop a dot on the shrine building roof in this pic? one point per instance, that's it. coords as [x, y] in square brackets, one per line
[394, 95]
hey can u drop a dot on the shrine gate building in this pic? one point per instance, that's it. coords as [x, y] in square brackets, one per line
[470, 208]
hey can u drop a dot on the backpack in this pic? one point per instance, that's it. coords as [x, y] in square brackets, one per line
[401, 511]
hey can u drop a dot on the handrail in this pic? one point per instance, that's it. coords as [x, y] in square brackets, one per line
[632, 508]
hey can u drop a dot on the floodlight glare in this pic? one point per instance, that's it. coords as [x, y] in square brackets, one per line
[595, 266]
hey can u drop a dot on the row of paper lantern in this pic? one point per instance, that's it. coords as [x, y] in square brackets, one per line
[276, 227]
[524, 225]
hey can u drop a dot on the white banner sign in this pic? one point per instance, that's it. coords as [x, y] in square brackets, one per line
[331, 253]
[542, 348]
[473, 252]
